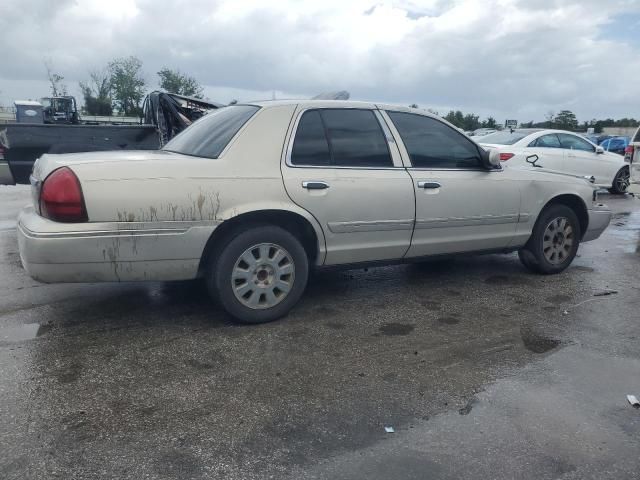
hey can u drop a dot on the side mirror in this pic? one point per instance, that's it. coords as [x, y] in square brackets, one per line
[491, 158]
[599, 150]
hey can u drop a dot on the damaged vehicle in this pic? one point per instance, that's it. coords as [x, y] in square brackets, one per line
[253, 197]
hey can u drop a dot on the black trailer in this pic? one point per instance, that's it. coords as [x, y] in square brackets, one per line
[22, 144]
[165, 115]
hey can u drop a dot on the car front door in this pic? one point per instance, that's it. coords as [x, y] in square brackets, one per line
[581, 159]
[460, 205]
[549, 151]
[341, 168]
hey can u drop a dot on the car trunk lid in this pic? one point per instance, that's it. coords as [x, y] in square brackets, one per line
[47, 163]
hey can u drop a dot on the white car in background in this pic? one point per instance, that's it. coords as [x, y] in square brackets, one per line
[481, 132]
[563, 152]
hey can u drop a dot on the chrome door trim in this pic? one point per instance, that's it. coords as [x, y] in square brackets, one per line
[370, 226]
[447, 222]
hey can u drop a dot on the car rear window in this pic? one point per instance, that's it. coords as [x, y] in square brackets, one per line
[503, 138]
[209, 136]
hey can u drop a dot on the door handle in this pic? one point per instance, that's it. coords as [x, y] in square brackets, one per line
[315, 185]
[427, 184]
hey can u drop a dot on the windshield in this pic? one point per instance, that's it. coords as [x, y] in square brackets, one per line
[504, 138]
[208, 136]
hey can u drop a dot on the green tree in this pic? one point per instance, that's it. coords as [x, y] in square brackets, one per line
[457, 118]
[174, 81]
[127, 83]
[489, 123]
[470, 122]
[58, 88]
[97, 93]
[565, 120]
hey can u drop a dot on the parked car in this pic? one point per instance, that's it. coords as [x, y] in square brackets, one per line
[252, 197]
[615, 145]
[596, 138]
[481, 132]
[561, 151]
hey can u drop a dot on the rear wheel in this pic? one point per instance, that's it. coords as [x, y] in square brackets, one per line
[260, 274]
[554, 241]
[621, 182]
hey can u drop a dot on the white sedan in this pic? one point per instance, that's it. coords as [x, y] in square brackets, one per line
[252, 197]
[561, 151]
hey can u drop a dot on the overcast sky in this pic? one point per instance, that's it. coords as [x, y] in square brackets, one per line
[507, 58]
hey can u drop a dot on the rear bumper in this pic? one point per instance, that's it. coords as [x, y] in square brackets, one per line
[54, 252]
[6, 177]
[599, 218]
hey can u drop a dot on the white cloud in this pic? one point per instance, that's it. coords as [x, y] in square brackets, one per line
[506, 58]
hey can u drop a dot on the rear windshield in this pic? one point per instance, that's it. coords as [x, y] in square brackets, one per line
[210, 135]
[503, 138]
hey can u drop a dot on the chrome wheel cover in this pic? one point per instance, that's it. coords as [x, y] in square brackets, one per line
[263, 276]
[558, 240]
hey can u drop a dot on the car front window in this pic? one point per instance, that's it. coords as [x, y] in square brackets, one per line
[433, 144]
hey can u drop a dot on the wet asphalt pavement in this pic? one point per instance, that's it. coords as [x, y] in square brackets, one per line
[483, 369]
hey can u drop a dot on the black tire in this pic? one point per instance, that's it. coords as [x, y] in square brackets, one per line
[528, 260]
[620, 182]
[222, 267]
[533, 254]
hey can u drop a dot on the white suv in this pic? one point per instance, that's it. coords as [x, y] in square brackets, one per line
[251, 197]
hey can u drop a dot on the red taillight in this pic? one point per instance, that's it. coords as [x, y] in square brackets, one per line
[61, 197]
[628, 149]
[506, 156]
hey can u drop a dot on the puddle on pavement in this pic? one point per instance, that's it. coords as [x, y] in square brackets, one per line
[449, 320]
[557, 299]
[21, 333]
[466, 410]
[392, 329]
[7, 225]
[537, 343]
[626, 225]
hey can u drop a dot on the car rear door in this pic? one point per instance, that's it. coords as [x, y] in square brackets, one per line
[460, 205]
[549, 151]
[340, 167]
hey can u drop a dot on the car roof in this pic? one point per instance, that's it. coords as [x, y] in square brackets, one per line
[305, 103]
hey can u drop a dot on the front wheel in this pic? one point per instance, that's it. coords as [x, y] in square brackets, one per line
[260, 274]
[554, 241]
[621, 182]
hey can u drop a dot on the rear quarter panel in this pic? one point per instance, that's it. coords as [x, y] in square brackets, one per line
[195, 192]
